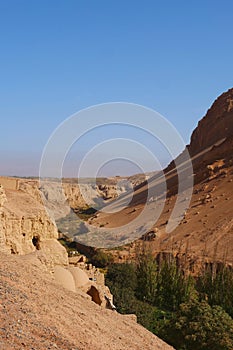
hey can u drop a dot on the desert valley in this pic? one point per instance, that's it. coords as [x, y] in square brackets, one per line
[52, 294]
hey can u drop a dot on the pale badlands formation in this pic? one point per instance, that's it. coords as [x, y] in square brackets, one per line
[25, 220]
[47, 301]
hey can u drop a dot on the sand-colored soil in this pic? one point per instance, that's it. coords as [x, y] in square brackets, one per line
[37, 313]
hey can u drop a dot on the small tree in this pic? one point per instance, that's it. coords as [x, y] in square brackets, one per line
[122, 276]
[121, 279]
[101, 259]
[166, 286]
[173, 287]
[217, 288]
[146, 272]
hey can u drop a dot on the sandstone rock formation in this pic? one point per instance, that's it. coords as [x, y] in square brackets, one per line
[40, 310]
[2, 196]
[77, 279]
[25, 226]
[206, 230]
[217, 124]
[38, 313]
[60, 197]
[24, 222]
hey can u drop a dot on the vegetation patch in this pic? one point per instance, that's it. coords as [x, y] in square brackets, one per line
[85, 214]
[188, 313]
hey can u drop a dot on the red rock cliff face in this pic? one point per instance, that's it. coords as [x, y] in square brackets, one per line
[212, 140]
[216, 125]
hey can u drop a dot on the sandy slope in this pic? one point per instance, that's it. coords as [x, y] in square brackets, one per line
[36, 313]
[205, 227]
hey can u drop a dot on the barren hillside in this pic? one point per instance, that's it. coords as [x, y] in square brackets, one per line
[44, 302]
[37, 313]
[206, 229]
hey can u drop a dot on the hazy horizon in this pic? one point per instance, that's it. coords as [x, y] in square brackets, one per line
[60, 57]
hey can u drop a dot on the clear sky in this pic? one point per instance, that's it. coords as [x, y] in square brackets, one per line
[60, 56]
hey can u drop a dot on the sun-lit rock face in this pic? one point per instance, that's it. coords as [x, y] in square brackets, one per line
[76, 279]
[80, 277]
[2, 233]
[212, 139]
[215, 126]
[2, 196]
[25, 227]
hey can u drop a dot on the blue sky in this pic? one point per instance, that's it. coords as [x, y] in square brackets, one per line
[58, 57]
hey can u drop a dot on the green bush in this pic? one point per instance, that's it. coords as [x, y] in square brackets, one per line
[122, 281]
[217, 288]
[122, 276]
[101, 259]
[180, 310]
[198, 326]
[146, 271]
[173, 287]
[164, 286]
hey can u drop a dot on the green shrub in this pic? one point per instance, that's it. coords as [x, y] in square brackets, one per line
[173, 287]
[122, 281]
[171, 304]
[164, 286]
[217, 288]
[122, 276]
[146, 271]
[198, 326]
[101, 259]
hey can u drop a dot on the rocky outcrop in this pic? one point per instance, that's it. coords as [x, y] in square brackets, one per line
[211, 141]
[81, 278]
[38, 313]
[2, 196]
[81, 195]
[52, 254]
[217, 124]
[2, 233]
[25, 227]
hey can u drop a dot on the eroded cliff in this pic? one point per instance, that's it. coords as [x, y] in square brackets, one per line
[25, 227]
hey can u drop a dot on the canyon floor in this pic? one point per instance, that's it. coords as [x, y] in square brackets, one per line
[38, 313]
